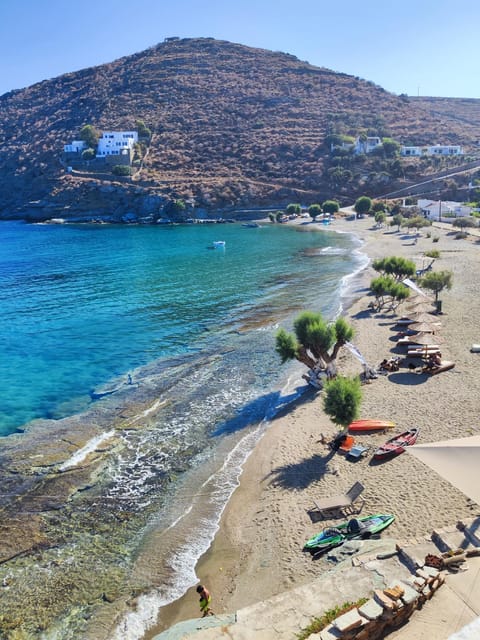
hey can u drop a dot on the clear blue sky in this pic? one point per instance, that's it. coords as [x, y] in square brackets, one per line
[425, 47]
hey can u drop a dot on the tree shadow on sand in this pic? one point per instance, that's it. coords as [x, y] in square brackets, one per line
[302, 474]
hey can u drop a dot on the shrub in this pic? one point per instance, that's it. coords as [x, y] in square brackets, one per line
[435, 239]
[434, 253]
[121, 170]
[329, 616]
[88, 154]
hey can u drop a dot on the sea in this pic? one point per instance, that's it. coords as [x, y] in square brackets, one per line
[91, 307]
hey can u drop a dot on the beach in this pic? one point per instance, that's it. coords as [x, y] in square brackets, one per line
[257, 552]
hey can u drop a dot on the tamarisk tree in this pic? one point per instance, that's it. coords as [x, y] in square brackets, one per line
[342, 400]
[315, 343]
[388, 292]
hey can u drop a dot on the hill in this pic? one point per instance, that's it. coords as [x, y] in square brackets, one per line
[232, 126]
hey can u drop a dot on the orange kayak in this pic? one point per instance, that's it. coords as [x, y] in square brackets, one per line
[370, 425]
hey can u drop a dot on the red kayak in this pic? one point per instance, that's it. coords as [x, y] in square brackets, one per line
[397, 444]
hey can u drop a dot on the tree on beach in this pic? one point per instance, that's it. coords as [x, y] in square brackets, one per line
[436, 281]
[395, 266]
[397, 221]
[388, 292]
[363, 205]
[380, 218]
[342, 400]
[315, 343]
[417, 223]
[464, 223]
[330, 206]
[314, 210]
[293, 209]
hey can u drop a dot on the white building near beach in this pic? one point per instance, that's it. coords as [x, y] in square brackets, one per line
[440, 209]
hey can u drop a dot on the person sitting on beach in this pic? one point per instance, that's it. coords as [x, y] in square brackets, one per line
[205, 599]
[434, 360]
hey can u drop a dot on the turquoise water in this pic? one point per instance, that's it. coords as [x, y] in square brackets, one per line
[85, 304]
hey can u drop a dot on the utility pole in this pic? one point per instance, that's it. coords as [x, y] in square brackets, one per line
[440, 210]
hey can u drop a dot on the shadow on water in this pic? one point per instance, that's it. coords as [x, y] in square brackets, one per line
[269, 406]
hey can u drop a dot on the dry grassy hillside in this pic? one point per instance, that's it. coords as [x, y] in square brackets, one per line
[232, 125]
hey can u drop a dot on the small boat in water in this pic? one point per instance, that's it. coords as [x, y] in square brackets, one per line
[397, 444]
[355, 528]
[217, 244]
[251, 225]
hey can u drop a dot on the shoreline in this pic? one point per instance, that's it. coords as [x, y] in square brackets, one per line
[256, 553]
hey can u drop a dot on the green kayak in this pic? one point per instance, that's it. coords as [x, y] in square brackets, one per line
[354, 528]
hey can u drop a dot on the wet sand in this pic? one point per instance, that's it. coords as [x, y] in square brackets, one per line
[257, 552]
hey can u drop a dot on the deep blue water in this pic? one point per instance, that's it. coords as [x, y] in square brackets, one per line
[84, 304]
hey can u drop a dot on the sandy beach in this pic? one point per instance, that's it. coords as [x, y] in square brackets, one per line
[257, 552]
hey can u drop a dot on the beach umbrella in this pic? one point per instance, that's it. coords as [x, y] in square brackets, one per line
[421, 305]
[425, 327]
[424, 317]
[454, 460]
[427, 339]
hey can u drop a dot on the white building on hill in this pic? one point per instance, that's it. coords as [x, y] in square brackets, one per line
[116, 143]
[77, 146]
[433, 150]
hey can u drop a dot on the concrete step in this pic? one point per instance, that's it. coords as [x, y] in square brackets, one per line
[452, 538]
[413, 555]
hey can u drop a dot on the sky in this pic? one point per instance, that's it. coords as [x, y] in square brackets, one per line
[416, 47]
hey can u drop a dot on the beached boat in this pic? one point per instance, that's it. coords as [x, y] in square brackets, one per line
[397, 444]
[355, 528]
[370, 425]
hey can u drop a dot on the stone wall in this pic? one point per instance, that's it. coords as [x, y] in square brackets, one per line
[386, 610]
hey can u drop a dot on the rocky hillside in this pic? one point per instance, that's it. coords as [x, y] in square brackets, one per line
[232, 125]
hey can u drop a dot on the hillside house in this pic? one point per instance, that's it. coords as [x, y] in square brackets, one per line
[368, 145]
[77, 146]
[441, 209]
[359, 146]
[117, 147]
[433, 150]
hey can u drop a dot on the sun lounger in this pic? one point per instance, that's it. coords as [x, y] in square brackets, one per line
[445, 366]
[419, 352]
[344, 503]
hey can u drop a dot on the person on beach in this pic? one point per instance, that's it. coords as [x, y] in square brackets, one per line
[205, 599]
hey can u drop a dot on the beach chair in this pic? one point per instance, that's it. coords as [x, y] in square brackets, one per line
[343, 503]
